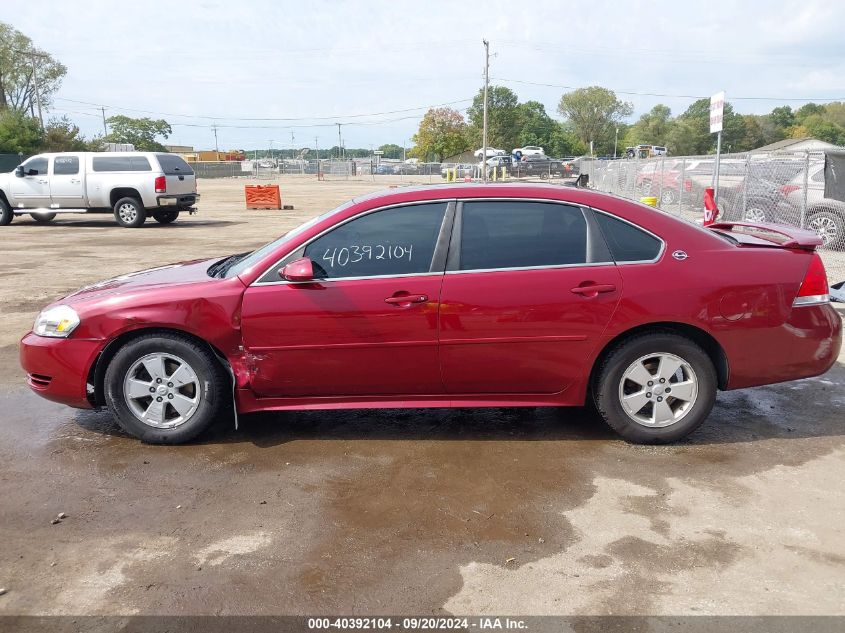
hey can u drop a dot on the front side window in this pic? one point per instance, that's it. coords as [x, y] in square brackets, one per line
[396, 241]
[518, 234]
[627, 243]
[37, 164]
[65, 165]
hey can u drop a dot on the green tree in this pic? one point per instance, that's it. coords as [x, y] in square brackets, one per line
[783, 117]
[819, 127]
[442, 133]
[651, 128]
[808, 109]
[62, 135]
[142, 133]
[17, 87]
[19, 133]
[391, 150]
[691, 133]
[502, 117]
[594, 113]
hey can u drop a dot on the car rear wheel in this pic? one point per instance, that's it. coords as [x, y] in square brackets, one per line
[830, 227]
[42, 218]
[668, 196]
[165, 389]
[130, 213]
[165, 217]
[6, 215]
[655, 388]
[755, 213]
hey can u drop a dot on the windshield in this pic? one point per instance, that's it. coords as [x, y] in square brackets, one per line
[257, 255]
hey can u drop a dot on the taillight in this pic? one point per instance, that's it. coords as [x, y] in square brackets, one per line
[814, 288]
[785, 190]
[161, 184]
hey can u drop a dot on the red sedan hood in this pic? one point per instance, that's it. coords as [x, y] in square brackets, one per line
[172, 274]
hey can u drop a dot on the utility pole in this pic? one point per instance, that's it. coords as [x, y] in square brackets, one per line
[32, 57]
[486, 85]
[317, 147]
[339, 142]
[105, 127]
[615, 142]
[216, 149]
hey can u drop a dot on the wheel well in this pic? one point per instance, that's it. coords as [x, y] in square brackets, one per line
[4, 199]
[124, 192]
[97, 372]
[701, 338]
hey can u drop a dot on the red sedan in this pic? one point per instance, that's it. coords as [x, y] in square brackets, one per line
[451, 296]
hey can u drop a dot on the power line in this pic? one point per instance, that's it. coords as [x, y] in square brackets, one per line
[223, 118]
[676, 96]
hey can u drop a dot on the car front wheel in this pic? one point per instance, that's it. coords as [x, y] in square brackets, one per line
[655, 388]
[130, 213]
[165, 389]
[6, 215]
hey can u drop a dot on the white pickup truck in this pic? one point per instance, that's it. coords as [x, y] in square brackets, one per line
[132, 185]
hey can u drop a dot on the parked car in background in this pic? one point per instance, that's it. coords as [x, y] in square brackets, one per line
[510, 295]
[131, 185]
[823, 215]
[499, 161]
[759, 198]
[538, 166]
[406, 169]
[528, 150]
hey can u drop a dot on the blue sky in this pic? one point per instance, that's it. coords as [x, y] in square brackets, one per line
[316, 63]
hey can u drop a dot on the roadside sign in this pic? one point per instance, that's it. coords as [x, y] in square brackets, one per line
[378, 152]
[717, 108]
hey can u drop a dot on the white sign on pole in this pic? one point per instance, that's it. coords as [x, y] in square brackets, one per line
[378, 152]
[717, 108]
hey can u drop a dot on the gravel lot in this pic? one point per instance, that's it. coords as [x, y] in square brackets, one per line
[476, 511]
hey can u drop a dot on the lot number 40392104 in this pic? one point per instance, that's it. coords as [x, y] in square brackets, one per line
[354, 253]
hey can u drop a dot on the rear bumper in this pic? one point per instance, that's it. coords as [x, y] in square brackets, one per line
[806, 345]
[57, 369]
[182, 201]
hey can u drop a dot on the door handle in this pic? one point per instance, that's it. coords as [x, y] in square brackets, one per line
[75, 181]
[43, 182]
[406, 299]
[592, 290]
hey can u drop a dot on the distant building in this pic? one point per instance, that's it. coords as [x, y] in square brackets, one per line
[179, 149]
[795, 145]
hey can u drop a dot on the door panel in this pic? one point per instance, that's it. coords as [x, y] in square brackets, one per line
[32, 191]
[66, 188]
[342, 338]
[522, 331]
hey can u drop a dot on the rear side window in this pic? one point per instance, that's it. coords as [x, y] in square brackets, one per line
[518, 234]
[627, 243]
[121, 163]
[65, 165]
[396, 241]
[174, 165]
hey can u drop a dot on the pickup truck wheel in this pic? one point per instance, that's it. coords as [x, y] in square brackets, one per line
[130, 213]
[165, 217]
[165, 388]
[42, 218]
[544, 175]
[6, 214]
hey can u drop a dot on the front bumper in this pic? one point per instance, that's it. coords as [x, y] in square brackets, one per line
[57, 368]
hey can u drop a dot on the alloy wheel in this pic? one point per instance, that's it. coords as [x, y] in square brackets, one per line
[128, 212]
[658, 390]
[826, 228]
[162, 390]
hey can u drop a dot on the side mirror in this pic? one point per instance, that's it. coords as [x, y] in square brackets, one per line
[301, 269]
[19, 171]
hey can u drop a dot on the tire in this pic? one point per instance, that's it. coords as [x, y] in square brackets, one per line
[42, 218]
[830, 226]
[139, 366]
[165, 217]
[544, 175]
[6, 215]
[636, 360]
[667, 197]
[754, 212]
[130, 213]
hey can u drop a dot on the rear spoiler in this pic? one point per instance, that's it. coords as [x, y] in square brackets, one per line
[794, 237]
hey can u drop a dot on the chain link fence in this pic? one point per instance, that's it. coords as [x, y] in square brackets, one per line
[782, 187]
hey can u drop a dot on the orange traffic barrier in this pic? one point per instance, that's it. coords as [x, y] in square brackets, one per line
[263, 197]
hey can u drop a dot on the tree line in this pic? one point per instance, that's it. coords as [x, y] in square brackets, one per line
[590, 119]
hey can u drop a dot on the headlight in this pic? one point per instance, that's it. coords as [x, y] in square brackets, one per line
[56, 322]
